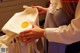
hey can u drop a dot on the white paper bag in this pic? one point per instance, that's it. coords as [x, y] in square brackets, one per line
[14, 26]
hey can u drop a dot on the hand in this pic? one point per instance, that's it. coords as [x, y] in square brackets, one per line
[32, 34]
[41, 9]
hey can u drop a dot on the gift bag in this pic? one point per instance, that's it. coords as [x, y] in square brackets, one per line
[17, 23]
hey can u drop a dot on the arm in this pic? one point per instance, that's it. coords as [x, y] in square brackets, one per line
[64, 34]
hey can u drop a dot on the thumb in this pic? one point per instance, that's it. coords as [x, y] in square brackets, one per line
[34, 26]
[33, 6]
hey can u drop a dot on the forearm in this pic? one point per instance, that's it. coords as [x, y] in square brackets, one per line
[64, 34]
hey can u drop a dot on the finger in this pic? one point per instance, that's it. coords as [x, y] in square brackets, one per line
[27, 34]
[29, 40]
[21, 38]
[42, 12]
[38, 7]
[26, 31]
[28, 37]
[25, 40]
[34, 25]
[33, 6]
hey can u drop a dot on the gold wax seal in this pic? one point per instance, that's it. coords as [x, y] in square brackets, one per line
[24, 24]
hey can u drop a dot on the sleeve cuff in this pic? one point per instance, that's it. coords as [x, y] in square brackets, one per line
[52, 35]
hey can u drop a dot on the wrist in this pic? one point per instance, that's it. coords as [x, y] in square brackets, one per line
[43, 32]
